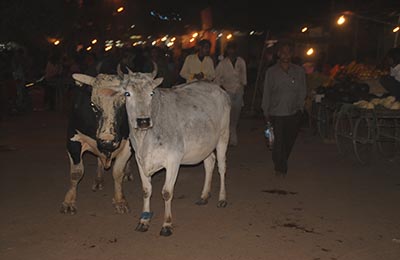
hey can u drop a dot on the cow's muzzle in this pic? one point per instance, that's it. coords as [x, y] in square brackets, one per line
[143, 123]
[107, 146]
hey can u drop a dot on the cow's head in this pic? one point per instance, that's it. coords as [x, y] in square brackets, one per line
[139, 91]
[108, 103]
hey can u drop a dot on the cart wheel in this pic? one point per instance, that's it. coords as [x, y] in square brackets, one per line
[344, 133]
[363, 140]
[397, 134]
[386, 138]
[323, 122]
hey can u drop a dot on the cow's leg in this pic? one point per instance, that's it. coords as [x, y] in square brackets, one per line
[144, 222]
[99, 180]
[168, 194]
[221, 158]
[209, 164]
[120, 204]
[128, 176]
[76, 173]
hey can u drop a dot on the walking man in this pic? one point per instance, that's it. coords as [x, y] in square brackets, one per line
[283, 101]
[200, 65]
[231, 75]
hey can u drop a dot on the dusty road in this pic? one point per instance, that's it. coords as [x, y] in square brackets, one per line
[334, 209]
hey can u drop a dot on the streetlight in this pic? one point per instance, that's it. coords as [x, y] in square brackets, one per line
[304, 29]
[108, 48]
[173, 39]
[229, 36]
[120, 9]
[310, 52]
[94, 41]
[191, 40]
[163, 39]
[56, 42]
[396, 29]
[89, 48]
[341, 20]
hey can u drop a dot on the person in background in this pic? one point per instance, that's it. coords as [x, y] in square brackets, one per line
[231, 75]
[52, 75]
[199, 66]
[391, 82]
[19, 70]
[159, 59]
[283, 101]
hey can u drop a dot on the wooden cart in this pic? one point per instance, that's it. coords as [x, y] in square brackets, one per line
[364, 132]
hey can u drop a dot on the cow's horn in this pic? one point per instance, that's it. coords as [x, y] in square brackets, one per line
[119, 71]
[154, 73]
[129, 71]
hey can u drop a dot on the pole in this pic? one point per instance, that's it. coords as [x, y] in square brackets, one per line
[260, 66]
[396, 37]
[355, 41]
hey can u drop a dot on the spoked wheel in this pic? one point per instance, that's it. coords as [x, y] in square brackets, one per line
[323, 122]
[344, 133]
[363, 140]
[386, 139]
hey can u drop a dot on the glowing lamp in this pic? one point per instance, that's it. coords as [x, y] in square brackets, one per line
[341, 20]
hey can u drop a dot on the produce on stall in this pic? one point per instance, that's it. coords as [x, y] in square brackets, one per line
[379, 103]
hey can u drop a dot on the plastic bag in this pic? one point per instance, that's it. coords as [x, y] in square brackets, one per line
[269, 134]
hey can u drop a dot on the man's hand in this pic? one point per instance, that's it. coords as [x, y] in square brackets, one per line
[199, 75]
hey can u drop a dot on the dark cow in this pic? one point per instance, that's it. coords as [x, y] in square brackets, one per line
[98, 123]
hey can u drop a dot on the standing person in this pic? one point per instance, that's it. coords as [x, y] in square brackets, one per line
[159, 60]
[283, 100]
[199, 66]
[19, 75]
[231, 75]
[391, 82]
[52, 76]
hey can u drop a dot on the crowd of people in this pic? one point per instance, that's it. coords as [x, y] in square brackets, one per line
[55, 81]
[283, 77]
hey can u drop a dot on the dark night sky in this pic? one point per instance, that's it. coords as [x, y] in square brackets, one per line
[21, 18]
[275, 15]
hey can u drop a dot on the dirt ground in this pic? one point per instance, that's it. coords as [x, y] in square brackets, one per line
[333, 209]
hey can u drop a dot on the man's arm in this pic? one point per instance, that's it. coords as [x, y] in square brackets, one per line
[243, 74]
[219, 77]
[266, 95]
[303, 90]
[185, 71]
[208, 70]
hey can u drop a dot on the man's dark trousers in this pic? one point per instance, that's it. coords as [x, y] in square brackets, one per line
[286, 129]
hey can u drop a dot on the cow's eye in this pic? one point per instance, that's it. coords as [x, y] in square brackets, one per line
[94, 107]
[127, 94]
[152, 93]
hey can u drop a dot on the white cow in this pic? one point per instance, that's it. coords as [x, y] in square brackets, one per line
[170, 127]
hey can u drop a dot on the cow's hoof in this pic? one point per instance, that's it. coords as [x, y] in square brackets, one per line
[166, 231]
[141, 227]
[202, 202]
[97, 185]
[222, 204]
[121, 207]
[68, 209]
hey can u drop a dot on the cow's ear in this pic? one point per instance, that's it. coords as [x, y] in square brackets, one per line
[82, 78]
[157, 82]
